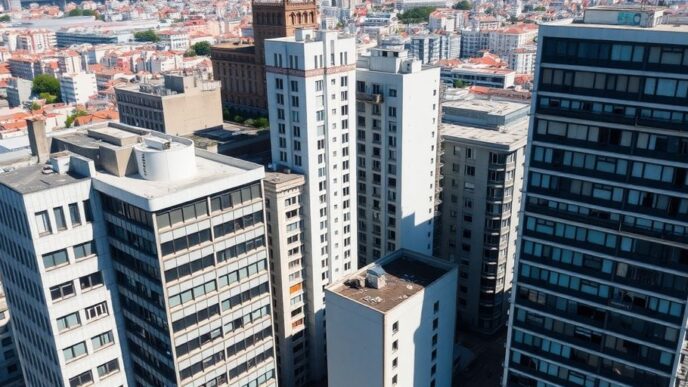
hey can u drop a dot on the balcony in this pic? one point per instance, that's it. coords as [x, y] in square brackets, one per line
[369, 98]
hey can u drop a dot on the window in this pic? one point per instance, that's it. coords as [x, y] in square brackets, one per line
[470, 170]
[76, 350]
[43, 223]
[108, 368]
[62, 291]
[68, 322]
[395, 345]
[88, 214]
[279, 84]
[91, 280]
[81, 379]
[74, 214]
[392, 92]
[96, 311]
[84, 250]
[102, 340]
[294, 86]
[436, 307]
[395, 327]
[392, 111]
[60, 220]
[56, 258]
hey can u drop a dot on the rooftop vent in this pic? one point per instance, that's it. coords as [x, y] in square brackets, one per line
[375, 277]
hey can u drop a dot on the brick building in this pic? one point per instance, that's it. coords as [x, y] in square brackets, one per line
[240, 67]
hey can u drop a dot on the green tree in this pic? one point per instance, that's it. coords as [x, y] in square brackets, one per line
[464, 5]
[49, 98]
[540, 9]
[238, 118]
[146, 36]
[70, 119]
[459, 84]
[47, 84]
[489, 11]
[190, 52]
[202, 48]
[261, 122]
[416, 15]
[5, 18]
[35, 106]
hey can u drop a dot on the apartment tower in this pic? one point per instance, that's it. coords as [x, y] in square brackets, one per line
[602, 272]
[144, 261]
[483, 152]
[310, 93]
[284, 194]
[397, 113]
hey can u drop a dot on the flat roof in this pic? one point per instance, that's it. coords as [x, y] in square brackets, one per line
[508, 138]
[281, 177]
[493, 107]
[30, 179]
[213, 173]
[406, 274]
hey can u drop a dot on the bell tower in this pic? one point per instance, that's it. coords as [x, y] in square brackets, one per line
[279, 19]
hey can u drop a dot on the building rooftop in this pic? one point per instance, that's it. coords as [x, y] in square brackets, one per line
[35, 178]
[281, 178]
[508, 138]
[405, 273]
[150, 170]
[486, 106]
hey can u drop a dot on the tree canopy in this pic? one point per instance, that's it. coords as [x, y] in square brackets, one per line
[464, 5]
[416, 15]
[46, 86]
[146, 36]
[202, 48]
[5, 18]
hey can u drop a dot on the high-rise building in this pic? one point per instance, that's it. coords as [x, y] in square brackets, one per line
[241, 67]
[392, 323]
[180, 105]
[311, 78]
[284, 194]
[602, 271]
[397, 114]
[483, 151]
[137, 260]
[10, 369]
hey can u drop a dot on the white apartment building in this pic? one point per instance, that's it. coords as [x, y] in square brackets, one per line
[397, 114]
[310, 79]
[59, 282]
[505, 40]
[174, 40]
[522, 60]
[152, 267]
[473, 41]
[392, 323]
[284, 193]
[77, 88]
[483, 143]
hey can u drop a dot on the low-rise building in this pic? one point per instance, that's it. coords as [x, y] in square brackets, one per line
[180, 105]
[77, 88]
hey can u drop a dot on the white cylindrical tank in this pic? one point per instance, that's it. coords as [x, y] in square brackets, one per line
[163, 159]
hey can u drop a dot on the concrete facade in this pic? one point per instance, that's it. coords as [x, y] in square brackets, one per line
[483, 146]
[181, 105]
[397, 114]
[311, 79]
[392, 323]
